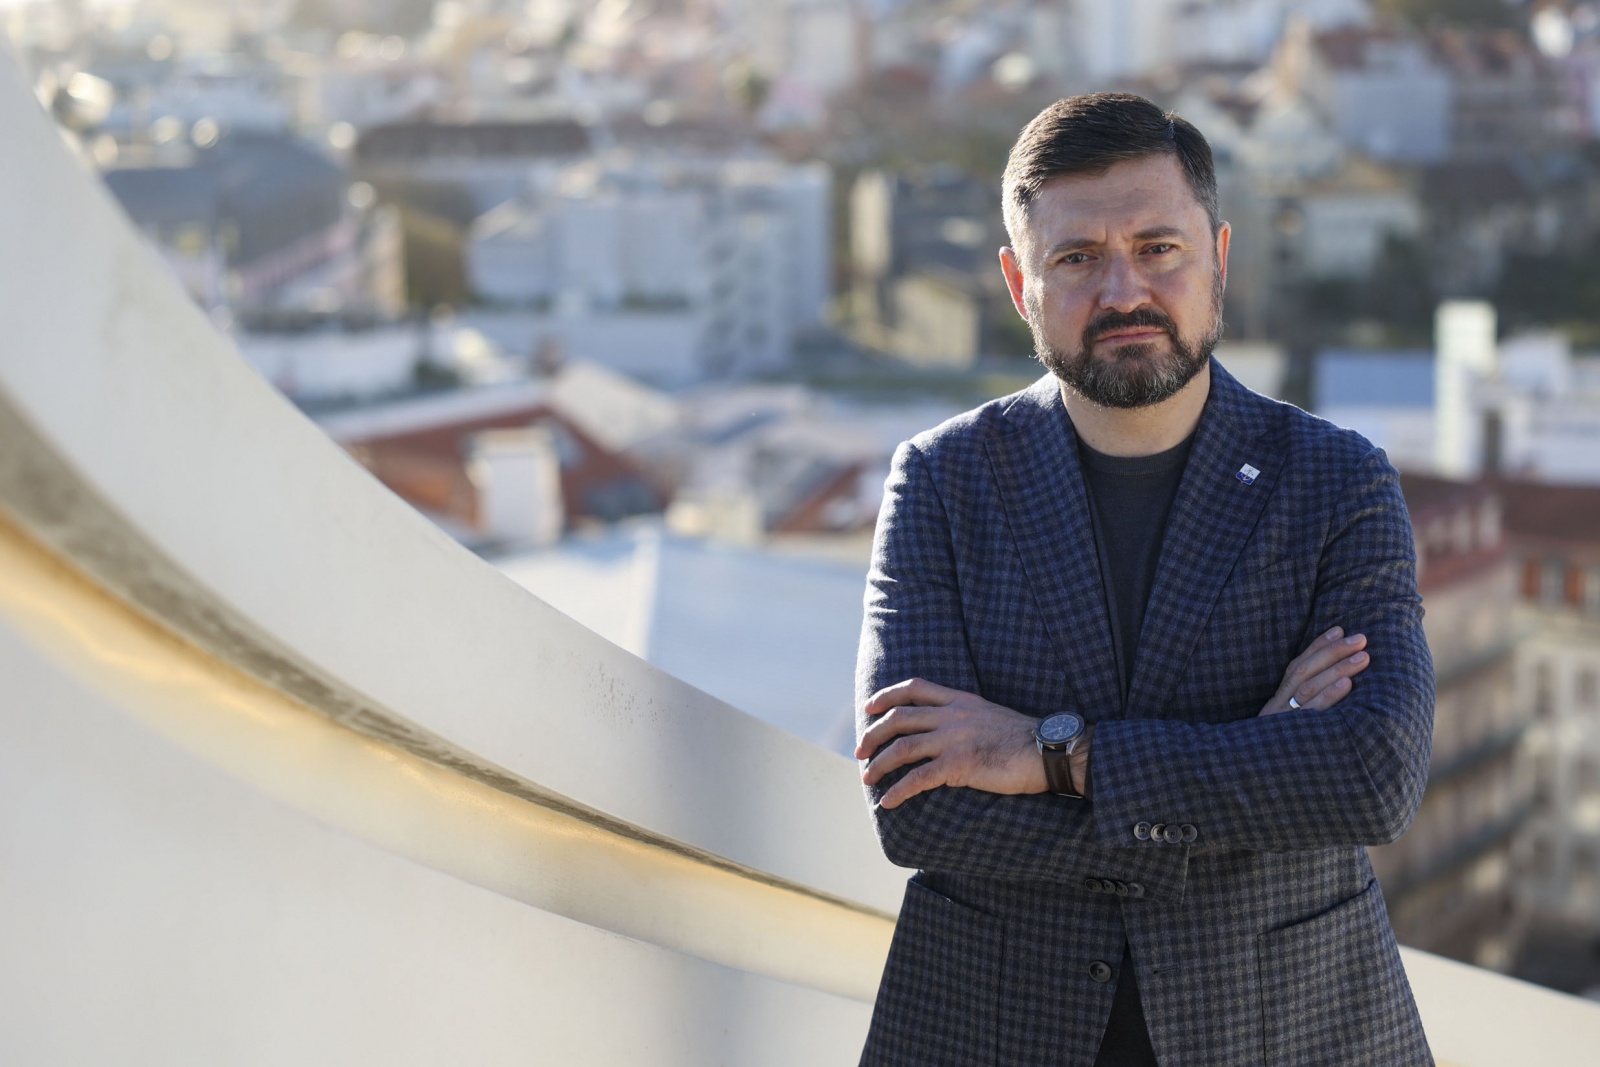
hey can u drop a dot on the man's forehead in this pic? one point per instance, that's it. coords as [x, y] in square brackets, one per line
[1135, 195]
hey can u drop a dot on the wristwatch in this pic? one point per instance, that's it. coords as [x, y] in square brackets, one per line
[1057, 736]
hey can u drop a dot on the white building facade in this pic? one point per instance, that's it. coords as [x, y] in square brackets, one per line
[728, 260]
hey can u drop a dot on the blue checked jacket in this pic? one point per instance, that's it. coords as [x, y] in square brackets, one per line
[1258, 930]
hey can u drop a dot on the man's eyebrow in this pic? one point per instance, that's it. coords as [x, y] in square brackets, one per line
[1153, 233]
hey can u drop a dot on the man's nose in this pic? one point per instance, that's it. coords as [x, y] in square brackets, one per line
[1124, 288]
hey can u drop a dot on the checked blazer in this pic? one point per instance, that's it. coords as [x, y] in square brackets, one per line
[1259, 933]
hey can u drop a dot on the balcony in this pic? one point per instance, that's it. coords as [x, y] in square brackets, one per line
[287, 776]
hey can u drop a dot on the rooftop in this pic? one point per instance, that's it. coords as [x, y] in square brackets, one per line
[1359, 378]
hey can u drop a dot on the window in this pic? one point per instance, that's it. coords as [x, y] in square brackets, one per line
[1489, 524]
[1591, 590]
[1552, 582]
[1544, 686]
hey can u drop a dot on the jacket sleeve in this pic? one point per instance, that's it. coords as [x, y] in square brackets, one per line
[1351, 775]
[913, 628]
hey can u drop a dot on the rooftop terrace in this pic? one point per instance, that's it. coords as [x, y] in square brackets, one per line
[288, 776]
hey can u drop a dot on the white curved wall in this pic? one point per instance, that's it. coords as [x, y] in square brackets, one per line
[287, 776]
[285, 769]
[159, 910]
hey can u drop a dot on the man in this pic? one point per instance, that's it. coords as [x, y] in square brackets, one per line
[1137, 814]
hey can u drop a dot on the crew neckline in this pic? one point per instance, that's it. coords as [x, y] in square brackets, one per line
[1157, 463]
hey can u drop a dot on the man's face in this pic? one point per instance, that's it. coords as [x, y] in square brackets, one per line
[1120, 279]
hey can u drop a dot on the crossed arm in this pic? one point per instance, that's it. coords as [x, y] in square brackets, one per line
[1335, 771]
[969, 741]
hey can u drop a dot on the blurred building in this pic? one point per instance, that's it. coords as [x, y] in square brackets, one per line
[808, 51]
[1386, 396]
[1384, 92]
[1450, 879]
[1480, 211]
[515, 464]
[1526, 407]
[774, 635]
[489, 161]
[1555, 538]
[256, 222]
[320, 360]
[1508, 100]
[783, 464]
[670, 267]
[368, 81]
[927, 284]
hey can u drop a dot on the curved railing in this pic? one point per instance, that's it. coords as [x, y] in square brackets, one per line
[285, 774]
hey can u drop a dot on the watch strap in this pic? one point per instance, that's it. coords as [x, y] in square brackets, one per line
[1058, 771]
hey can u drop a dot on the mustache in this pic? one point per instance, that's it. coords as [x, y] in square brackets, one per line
[1138, 318]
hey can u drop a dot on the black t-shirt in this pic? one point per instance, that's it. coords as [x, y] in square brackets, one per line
[1130, 498]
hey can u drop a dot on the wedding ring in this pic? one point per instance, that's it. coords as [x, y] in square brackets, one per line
[1294, 705]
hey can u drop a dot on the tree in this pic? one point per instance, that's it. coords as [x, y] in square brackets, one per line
[1493, 13]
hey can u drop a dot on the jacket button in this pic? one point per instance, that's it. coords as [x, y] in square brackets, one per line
[1171, 834]
[1189, 832]
[1122, 889]
[1107, 886]
[1158, 832]
[1101, 971]
[1135, 890]
[1141, 830]
[1092, 884]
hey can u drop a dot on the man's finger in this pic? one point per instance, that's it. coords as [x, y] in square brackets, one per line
[918, 780]
[910, 691]
[1327, 697]
[1346, 668]
[905, 719]
[905, 750]
[1321, 655]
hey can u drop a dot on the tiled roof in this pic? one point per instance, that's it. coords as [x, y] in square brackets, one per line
[1552, 512]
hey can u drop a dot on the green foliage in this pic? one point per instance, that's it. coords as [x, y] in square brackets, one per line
[1397, 294]
[431, 376]
[435, 260]
[1006, 333]
[1454, 12]
[748, 86]
[1558, 288]
[446, 200]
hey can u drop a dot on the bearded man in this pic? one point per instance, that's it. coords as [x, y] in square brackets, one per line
[1142, 668]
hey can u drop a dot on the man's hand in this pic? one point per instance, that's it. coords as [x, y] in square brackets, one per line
[1321, 676]
[966, 740]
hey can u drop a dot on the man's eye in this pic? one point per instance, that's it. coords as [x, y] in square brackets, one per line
[1075, 257]
[1160, 248]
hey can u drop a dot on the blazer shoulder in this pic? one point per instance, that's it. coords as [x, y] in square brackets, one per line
[1315, 442]
[962, 437]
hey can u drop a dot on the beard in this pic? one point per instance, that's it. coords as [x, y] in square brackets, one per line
[1131, 375]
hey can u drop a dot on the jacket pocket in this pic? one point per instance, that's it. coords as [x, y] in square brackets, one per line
[939, 995]
[1333, 991]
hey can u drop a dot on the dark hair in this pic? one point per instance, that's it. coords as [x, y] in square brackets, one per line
[1088, 134]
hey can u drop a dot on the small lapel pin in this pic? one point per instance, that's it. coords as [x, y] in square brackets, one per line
[1247, 474]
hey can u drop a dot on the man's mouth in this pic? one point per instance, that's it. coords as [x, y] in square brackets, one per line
[1132, 335]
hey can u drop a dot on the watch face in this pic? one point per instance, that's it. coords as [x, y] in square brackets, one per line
[1059, 729]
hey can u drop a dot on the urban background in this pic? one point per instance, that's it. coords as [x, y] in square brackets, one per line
[635, 298]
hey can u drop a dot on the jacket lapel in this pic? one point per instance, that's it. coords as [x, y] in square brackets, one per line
[1212, 517]
[1047, 511]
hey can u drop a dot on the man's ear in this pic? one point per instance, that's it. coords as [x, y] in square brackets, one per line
[1011, 267]
[1224, 240]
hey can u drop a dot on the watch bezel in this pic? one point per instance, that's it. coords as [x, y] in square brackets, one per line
[1039, 731]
